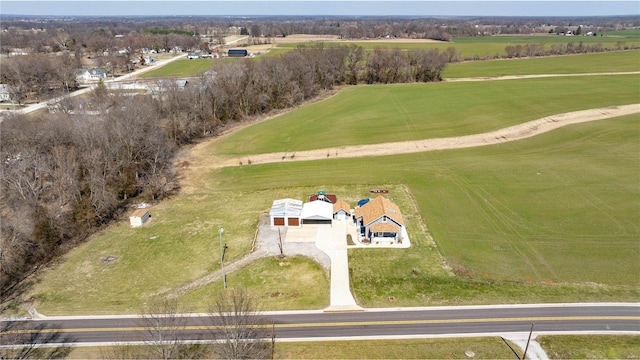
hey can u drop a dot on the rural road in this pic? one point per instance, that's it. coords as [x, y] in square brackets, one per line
[512, 321]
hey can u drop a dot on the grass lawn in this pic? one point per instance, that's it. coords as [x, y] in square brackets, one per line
[484, 348]
[557, 347]
[591, 347]
[388, 113]
[179, 245]
[623, 61]
[182, 67]
[279, 284]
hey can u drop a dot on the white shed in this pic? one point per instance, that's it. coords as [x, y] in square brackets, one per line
[139, 217]
[317, 212]
[285, 212]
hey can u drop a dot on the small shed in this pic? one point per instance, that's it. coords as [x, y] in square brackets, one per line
[317, 212]
[285, 212]
[139, 217]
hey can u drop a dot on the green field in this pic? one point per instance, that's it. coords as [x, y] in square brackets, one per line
[624, 61]
[379, 113]
[591, 346]
[182, 67]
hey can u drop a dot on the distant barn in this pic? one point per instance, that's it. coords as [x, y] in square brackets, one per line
[237, 53]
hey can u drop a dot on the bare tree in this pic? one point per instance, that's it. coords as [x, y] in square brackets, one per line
[162, 325]
[241, 332]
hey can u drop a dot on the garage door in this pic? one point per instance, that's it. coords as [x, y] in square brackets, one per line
[294, 222]
[279, 221]
[316, 222]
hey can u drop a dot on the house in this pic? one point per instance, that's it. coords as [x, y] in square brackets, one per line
[285, 212]
[139, 217]
[341, 210]
[317, 213]
[193, 55]
[380, 220]
[5, 95]
[91, 74]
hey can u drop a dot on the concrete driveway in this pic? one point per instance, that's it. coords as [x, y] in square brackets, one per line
[332, 240]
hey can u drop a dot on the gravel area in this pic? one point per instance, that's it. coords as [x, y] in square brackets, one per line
[268, 239]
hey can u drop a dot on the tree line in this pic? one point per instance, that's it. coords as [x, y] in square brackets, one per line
[67, 173]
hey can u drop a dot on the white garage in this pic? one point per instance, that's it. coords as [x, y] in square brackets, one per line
[317, 212]
[286, 212]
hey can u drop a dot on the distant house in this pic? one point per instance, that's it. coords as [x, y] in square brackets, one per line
[380, 220]
[286, 212]
[237, 53]
[193, 55]
[341, 210]
[5, 95]
[139, 217]
[91, 74]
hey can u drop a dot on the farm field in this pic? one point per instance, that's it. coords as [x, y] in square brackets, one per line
[482, 47]
[622, 61]
[364, 114]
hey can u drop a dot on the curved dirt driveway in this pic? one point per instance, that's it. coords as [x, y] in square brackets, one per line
[512, 133]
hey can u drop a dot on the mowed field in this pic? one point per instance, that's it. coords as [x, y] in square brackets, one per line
[390, 113]
[549, 219]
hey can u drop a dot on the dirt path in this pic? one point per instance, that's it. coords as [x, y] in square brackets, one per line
[536, 76]
[512, 133]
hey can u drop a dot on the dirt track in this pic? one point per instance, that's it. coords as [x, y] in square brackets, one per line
[512, 133]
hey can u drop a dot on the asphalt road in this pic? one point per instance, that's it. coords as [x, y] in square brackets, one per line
[373, 323]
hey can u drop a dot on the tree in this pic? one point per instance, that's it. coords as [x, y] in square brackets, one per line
[241, 332]
[162, 324]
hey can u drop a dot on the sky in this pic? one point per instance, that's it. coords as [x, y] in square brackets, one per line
[328, 7]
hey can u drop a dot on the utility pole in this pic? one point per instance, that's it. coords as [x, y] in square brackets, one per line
[224, 276]
[524, 355]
